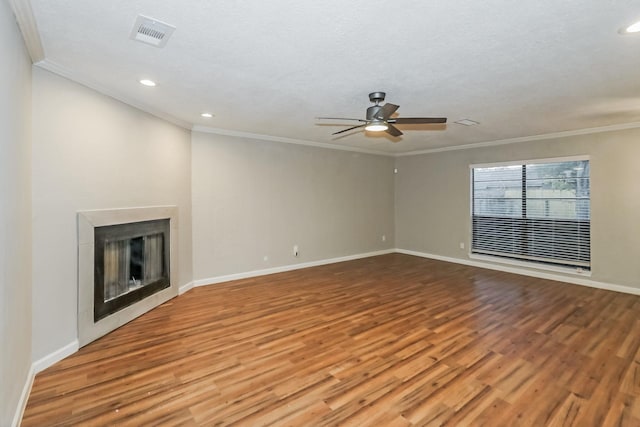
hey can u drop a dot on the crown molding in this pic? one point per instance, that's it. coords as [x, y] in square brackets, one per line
[239, 134]
[29, 29]
[32, 40]
[58, 69]
[563, 134]
[68, 74]
[541, 137]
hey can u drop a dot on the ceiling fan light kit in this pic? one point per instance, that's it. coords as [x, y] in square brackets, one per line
[378, 118]
[376, 126]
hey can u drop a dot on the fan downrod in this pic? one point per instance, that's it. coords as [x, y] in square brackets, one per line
[377, 97]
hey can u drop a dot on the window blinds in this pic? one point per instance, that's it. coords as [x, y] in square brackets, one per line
[538, 212]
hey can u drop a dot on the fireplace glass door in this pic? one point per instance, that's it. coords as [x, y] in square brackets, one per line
[131, 263]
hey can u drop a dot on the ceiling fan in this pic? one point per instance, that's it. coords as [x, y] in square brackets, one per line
[379, 119]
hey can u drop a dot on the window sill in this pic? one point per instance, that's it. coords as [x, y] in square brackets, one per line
[574, 271]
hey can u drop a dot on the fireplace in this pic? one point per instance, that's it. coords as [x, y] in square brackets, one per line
[131, 263]
[126, 266]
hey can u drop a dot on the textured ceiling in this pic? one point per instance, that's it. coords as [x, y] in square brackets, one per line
[519, 68]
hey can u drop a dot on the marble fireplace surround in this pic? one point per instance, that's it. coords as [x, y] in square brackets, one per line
[88, 330]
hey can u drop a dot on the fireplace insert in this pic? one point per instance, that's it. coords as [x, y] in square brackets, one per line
[131, 263]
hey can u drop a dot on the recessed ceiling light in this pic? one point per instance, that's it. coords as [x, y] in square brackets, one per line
[631, 29]
[207, 115]
[467, 122]
[147, 82]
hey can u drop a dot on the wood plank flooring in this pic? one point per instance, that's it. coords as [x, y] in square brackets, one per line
[393, 340]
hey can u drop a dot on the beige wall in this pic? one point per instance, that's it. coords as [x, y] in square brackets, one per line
[15, 215]
[433, 198]
[93, 152]
[254, 198]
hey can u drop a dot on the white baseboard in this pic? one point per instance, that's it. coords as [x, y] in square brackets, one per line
[39, 366]
[51, 358]
[474, 263]
[184, 288]
[527, 272]
[281, 269]
[24, 397]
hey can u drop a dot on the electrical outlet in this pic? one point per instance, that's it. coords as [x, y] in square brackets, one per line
[461, 245]
[295, 251]
[266, 258]
[384, 238]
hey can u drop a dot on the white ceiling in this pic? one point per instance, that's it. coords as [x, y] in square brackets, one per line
[520, 68]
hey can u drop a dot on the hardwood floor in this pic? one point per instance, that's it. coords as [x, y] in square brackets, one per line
[392, 340]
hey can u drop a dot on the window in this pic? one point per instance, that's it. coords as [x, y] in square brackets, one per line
[534, 211]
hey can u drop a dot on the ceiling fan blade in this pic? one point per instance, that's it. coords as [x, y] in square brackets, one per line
[339, 118]
[386, 111]
[418, 120]
[348, 129]
[393, 131]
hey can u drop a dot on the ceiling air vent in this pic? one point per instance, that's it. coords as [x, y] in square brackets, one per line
[151, 31]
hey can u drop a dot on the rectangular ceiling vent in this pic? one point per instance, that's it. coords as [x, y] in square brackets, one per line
[151, 31]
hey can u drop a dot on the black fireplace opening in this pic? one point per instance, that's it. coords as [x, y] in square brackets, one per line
[131, 263]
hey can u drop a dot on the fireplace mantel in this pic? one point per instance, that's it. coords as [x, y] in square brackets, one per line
[88, 329]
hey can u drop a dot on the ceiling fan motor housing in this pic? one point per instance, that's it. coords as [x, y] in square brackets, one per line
[372, 112]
